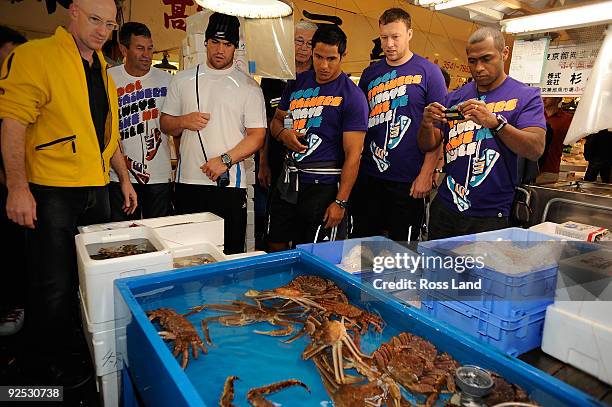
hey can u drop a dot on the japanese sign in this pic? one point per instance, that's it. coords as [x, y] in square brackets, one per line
[567, 68]
[177, 16]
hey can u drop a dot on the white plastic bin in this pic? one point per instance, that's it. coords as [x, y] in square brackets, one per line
[109, 387]
[102, 342]
[579, 342]
[96, 276]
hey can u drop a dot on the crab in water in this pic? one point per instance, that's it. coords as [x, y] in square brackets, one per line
[353, 314]
[413, 362]
[380, 391]
[255, 396]
[242, 313]
[332, 334]
[178, 329]
[303, 290]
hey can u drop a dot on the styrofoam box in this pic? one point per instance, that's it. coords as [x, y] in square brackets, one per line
[96, 276]
[188, 229]
[108, 387]
[250, 232]
[250, 191]
[244, 255]
[587, 347]
[550, 229]
[584, 286]
[251, 217]
[102, 343]
[196, 249]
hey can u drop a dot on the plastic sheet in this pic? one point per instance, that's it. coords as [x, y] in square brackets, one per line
[270, 48]
[593, 113]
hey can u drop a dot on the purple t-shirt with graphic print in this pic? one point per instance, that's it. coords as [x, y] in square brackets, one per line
[397, 96]
[482, 172]
[324, 113]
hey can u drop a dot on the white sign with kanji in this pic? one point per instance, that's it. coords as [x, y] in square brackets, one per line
[567, 68]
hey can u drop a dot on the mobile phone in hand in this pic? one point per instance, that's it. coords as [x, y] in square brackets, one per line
[453, 114]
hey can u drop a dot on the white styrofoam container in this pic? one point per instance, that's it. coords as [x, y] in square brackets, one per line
[96, 276]
[250, 177]
[251, 217]
[196, 249]
[102, 342]
[244, 255]
[109, 387]
[549, 228]
[250, 191]
[584, 286]
[188, 229]
[579, 342]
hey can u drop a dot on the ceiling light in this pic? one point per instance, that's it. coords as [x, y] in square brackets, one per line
[165, 64]
[248, 8]
[573, 17]
[428, 2]
[454, 3]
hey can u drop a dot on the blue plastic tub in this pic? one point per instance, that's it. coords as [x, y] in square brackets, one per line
[511, 336]
[161, 382]
[507, 296]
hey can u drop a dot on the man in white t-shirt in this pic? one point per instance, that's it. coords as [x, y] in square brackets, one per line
[220, 112]
[141, 90]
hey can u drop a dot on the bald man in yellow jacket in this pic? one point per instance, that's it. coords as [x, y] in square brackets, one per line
[60, 135]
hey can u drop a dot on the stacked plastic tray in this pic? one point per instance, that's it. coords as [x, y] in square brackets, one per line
[509, 311]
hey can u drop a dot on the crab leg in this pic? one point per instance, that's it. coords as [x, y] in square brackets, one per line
[228, 392]
[255, 396]
[288, 330]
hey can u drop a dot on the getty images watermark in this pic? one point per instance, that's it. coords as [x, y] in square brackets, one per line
[405, 262]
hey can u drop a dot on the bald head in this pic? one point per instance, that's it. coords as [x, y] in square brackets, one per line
[92, 22]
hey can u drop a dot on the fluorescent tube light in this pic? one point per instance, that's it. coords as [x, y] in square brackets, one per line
[572, 17]
[248, 8]
[454, 3]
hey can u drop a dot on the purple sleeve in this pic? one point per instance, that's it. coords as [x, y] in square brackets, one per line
[532, 110]
[284, 102]
[355, 111]
[436, 87]
[363, 85]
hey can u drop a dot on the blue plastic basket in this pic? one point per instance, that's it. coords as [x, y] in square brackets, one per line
[513, 337]
[507, 296]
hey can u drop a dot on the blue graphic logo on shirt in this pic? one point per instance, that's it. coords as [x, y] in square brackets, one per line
[397, 130]
[459, 194]
[380, 157]
[314, 142]
[482, 166]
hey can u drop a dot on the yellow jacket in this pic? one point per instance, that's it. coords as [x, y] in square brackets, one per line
[43, 86]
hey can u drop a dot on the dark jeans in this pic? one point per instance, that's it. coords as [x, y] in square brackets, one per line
[153, 201]
[444, 222]
[51, 262]
[379, 205]
[228, 203]
[12, 251]
[596, 168]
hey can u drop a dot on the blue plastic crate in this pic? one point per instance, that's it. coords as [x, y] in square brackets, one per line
[507, 296]
[160, 381]
[513, 337]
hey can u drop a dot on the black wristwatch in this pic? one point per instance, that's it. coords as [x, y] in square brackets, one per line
[341, 203]
[227, 160]
[502, 123]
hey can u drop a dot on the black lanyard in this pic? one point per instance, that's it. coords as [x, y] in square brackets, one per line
[198, 103]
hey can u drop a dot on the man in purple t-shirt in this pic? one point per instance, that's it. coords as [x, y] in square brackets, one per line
[321, 119]
[485, 124]
[395, 175]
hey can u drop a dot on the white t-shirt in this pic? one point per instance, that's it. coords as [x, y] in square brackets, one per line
[235, 102]
[145, 146]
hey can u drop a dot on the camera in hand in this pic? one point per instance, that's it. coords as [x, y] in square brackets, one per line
[223, 179]
[453, 114]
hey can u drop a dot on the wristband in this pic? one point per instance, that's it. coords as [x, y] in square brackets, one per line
[341, 203]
